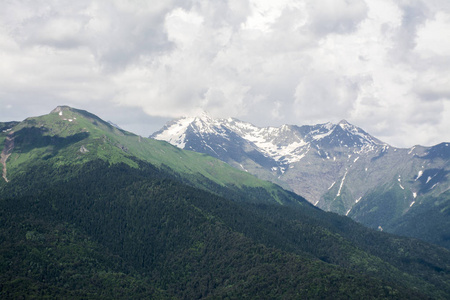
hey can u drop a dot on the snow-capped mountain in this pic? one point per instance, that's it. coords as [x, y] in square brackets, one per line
[270, 152]
[283, 145]
[337, 167]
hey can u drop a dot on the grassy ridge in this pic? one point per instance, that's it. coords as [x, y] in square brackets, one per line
[69, 136]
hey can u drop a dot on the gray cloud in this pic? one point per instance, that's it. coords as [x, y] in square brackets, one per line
[382, 65]
[336, 16]
[325, 95]
[414, 15]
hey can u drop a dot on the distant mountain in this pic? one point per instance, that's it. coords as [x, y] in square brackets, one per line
[91, 211]
[337, 167]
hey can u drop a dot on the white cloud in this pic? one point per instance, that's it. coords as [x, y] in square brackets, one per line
[264, 13]
[382, 64]
[432, 36]
[183, 28]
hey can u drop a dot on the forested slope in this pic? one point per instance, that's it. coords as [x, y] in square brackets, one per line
[117, 230]
[90, 211]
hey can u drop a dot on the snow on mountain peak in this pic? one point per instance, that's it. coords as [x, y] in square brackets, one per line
[285, 144]
[175, 132]
[344, 123]
[205, 117]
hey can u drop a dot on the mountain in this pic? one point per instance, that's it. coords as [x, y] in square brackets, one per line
[278, 154]
[70, 136]
[91, 211]
[337, 167]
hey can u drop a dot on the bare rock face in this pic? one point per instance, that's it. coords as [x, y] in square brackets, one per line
[83, 149]
[6, 152]
[59, 109]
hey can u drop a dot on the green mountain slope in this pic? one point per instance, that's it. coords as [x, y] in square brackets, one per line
[90, 211]
[429, 221]
[392, 208]
[69, 136]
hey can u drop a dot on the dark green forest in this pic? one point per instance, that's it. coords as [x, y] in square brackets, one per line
[93, 212]
[111, 231]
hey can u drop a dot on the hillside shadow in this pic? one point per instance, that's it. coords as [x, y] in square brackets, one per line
[31, 138]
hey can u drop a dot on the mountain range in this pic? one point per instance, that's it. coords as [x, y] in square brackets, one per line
[90, 211]
[337, 167]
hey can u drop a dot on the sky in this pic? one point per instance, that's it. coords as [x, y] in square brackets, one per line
[383, 65]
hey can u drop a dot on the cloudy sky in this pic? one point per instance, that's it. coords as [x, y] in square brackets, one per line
[383, 65]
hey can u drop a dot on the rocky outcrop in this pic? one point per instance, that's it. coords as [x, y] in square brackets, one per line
[6, 152]
[83, 149]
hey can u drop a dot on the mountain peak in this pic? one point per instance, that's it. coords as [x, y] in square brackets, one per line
[345, 125]
[61, 108]
[67, 113]
[204, 116]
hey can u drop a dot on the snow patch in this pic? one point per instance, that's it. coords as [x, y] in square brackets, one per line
[419, 174]
[342, 183]
[263, 139]
[400, 182]
[415, 195]
[211, 148]
[60, 113]
[348, 211]
[318, 137]
[176, 133]
[357, 200]
[412, 203]
[332, 185]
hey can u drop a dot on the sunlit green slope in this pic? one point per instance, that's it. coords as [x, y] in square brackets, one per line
[69, 136]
